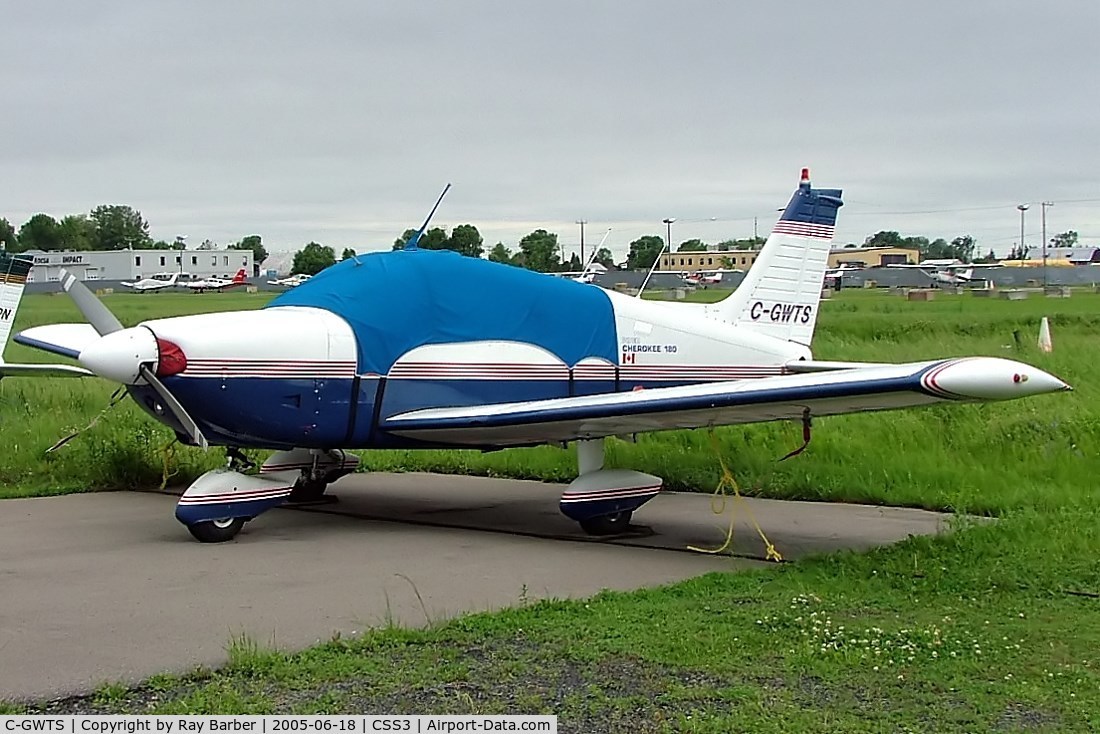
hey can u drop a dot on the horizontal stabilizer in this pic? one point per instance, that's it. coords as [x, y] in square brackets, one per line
[68, 340]
[805, 366]
[43, 370]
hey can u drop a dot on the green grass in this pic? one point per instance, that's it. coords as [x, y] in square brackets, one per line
[995, 627]
[982, 630]
[1037, 452]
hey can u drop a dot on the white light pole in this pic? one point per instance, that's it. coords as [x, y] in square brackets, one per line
[1022, 208]
[1043, 213]
[668, 229]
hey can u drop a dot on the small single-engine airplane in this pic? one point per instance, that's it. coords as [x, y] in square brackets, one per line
[703, 278]
[832, 277]
[384, 351]
[290, 281]
[947, 272]
[214, 283]
[157, 282]
[13, 280]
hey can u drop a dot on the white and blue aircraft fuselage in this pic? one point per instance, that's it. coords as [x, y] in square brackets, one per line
[419, 349]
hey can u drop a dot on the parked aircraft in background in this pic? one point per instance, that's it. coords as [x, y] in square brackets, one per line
[214, 283]
[157, 282]
[13, 279]
[290, 281]
[383, 351]
[588, 275]
[703, 278]
[947, 272]
[832, 277]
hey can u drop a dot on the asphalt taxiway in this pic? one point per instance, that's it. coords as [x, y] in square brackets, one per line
[108, 587]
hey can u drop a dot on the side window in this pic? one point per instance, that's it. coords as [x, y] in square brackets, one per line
[137, 261]
[194, 259]
[162, 261]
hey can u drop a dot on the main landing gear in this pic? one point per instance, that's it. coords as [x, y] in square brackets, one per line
[602, 500]
[218, 504]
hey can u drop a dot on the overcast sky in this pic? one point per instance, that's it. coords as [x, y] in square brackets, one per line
[341, 121]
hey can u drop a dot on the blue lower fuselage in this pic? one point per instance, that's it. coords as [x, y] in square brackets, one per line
[326, 413]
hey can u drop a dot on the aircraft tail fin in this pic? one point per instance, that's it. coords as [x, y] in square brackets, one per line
[240, 276]
[13, 278]
[779, 295]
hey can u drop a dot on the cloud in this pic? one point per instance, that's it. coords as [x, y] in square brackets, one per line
[341, 121]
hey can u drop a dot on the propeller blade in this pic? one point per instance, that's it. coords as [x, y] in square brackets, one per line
[173, 405]
[98, 315]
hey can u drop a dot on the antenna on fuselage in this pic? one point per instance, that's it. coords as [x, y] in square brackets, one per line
[656, 262]
[595, 251]
[411, 244]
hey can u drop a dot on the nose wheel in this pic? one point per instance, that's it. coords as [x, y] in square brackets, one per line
[216, 531]
[607, 524]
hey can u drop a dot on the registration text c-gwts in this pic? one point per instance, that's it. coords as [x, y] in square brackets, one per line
[45, 724]
[781, 313]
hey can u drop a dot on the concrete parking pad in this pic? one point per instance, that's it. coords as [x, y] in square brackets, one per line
[110, 588]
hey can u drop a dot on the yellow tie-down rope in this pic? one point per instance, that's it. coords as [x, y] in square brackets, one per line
[727, 482]
[168, 457]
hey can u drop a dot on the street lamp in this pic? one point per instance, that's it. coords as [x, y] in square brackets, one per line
[668, 229]
[1023, 251]
[1043, 209]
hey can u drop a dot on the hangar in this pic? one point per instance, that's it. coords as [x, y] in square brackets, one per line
[116, 265]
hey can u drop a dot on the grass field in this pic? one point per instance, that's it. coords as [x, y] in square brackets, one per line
[995, 627]
[979, 458]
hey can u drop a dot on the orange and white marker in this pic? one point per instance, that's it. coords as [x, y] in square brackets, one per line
[1044, 336]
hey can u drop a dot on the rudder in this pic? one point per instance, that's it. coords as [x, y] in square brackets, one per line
[780, 294]
[13, 278]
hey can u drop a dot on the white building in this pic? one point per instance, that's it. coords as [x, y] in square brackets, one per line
[117, 265]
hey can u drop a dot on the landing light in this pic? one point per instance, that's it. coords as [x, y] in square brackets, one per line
[172, 360]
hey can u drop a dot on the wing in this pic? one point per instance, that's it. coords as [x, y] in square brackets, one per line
[845, 390]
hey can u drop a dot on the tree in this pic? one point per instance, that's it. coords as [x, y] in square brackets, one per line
[500, 254]
[695, 245]
[575, 263]
[76, 232]
[603, 257]
[434, 239]
[750, 243]
[991, 257]
[963, 247]
[255, 243]
[884, 239]
[8, 236]
[1018, 252]
[119, 228]
[540, 251]
[312, 259]
[207, 245]
[40, 232]
[644, 251]
[466, 240]
[1065, 239]
[937, 249]
[850, 246]
[347, 254]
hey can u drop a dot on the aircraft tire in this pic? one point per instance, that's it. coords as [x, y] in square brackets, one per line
[307, 490]
[607, 524]
[216, 531]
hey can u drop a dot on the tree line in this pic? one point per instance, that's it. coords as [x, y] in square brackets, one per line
[120, 227]
[963, 248]
[107, 227]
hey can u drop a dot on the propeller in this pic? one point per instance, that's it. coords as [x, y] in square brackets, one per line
[125, 354]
